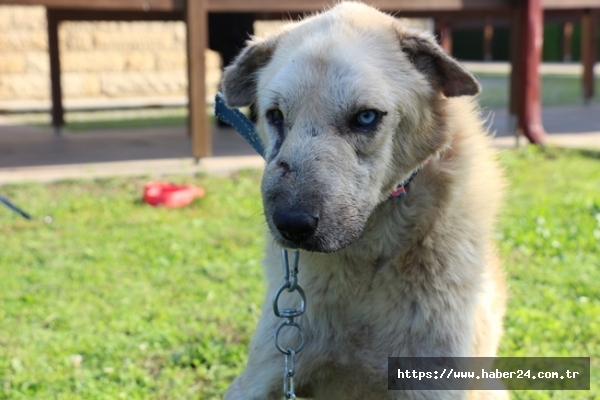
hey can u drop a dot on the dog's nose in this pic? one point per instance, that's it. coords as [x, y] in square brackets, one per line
[295, 226]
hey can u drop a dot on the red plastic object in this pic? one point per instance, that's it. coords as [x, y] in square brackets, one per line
[170, 195]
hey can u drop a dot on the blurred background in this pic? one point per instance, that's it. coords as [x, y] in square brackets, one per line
[144, 63]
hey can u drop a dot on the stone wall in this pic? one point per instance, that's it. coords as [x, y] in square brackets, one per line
[98, 59]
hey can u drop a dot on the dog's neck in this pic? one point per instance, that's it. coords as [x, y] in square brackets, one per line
[400, 191]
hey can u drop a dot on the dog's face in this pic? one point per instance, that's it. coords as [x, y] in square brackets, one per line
[347, 109]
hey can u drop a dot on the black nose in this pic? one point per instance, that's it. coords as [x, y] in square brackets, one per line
[294, 225]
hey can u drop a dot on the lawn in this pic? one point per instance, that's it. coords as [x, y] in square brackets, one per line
[115, 299]
[556, 90]
[81, 121]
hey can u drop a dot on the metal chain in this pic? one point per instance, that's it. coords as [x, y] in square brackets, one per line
[290, 284]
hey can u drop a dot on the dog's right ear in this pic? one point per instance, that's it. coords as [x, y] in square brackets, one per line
[240, 78]
[444, 72]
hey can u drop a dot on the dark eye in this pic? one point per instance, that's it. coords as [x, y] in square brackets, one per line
[366, 119]
[275, 117]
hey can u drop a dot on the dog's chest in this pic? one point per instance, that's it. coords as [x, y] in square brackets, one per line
[355, 310]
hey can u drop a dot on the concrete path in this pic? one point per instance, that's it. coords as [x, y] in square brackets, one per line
[573, 126]
[30, 153]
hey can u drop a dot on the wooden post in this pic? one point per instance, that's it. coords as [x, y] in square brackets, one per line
[488, 36]
[55, 88]
[445, 35]
[567, 39]
[197, 33]
[515, 72]
[588, 52]
[526, 64]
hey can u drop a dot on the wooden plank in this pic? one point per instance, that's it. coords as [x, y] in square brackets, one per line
[317, 5]
[298, 5]
[139, 5]
[67, 14]
[569, 4]
[197, 35]
[589, 29]
[55, 87]
[562, 16]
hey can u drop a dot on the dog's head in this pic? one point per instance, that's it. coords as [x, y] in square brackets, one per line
[348, 106]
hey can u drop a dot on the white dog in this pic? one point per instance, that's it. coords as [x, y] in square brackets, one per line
[350, 105]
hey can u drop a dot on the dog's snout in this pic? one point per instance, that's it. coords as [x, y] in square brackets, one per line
[295, 226]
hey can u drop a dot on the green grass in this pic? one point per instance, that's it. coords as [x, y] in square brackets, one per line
[557, 90]
[549, 236]
[116, 299]
[81, 121]
[158, 303]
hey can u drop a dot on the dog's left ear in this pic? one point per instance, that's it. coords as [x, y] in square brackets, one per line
[239, 79]
[444, 72]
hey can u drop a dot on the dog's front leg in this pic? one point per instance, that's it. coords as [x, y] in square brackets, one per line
[263, 376]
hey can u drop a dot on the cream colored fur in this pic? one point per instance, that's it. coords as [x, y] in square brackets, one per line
[416, 276]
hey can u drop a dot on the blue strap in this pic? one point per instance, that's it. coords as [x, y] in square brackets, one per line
[13, 207]
[239, 122]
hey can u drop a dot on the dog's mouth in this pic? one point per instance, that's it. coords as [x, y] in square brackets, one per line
[315, 244]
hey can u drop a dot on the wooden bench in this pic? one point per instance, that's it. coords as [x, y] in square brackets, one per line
[526, 18]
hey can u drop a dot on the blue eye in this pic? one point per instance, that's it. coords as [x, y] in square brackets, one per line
[275, 117]
[366, 119]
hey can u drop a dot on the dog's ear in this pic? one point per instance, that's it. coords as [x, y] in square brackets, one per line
[239, 79]
[444, 72]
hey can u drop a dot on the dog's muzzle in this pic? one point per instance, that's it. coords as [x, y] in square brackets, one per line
[295, 226]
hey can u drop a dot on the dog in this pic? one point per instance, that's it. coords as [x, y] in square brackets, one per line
[351, 104]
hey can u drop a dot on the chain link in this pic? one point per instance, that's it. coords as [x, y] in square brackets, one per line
[288, 376]
[290, 284]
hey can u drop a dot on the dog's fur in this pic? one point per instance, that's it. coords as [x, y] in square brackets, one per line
[415, 276]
